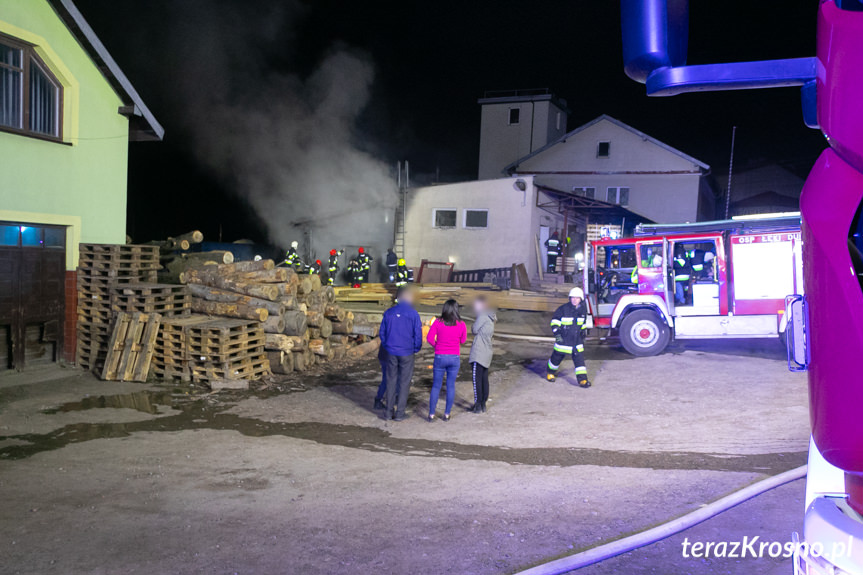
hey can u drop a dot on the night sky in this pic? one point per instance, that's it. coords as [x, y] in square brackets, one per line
[433, 59]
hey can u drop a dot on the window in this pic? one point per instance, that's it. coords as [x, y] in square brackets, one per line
[444, 218]
[603, 149]
[618, 196]
[18, 235]
[30, 96]
[514, 115]
[589, 193]
[651, 255]
[476, 218]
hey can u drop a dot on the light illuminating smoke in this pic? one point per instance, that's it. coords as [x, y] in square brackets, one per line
[287, 144]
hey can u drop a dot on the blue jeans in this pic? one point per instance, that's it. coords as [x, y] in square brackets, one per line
[444, 365]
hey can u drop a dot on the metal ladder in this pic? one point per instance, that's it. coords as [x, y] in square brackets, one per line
[399, 239]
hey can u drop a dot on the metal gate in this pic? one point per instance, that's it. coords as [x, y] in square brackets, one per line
[32, 280]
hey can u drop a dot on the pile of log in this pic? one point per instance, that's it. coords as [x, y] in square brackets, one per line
[302, 322]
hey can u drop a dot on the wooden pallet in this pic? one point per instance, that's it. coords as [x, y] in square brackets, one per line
[131, 347]
[171, 358]
[165, 299]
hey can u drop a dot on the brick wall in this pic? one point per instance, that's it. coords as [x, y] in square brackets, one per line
[70, 324]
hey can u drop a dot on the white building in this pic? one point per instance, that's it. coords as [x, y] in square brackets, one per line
[516, 123]
[490, 224]
[608, 160]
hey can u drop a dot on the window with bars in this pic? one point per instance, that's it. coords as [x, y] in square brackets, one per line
[618, 196]
[30, 96]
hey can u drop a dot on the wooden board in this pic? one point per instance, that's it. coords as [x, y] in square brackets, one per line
[131, 347]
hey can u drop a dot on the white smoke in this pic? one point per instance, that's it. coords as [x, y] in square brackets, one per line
[287, 144]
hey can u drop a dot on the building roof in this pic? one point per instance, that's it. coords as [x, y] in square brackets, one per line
[513, 167]
[142, 124]
[588, 206]
[517, 96]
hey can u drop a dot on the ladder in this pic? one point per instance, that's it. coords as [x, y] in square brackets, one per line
[399, 239]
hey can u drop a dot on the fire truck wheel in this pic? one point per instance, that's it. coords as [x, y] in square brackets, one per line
[643, 333]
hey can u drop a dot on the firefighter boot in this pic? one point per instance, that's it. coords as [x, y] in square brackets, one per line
[583, 382]
[550, 376]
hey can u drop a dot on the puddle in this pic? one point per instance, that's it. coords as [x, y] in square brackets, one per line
[143, 401]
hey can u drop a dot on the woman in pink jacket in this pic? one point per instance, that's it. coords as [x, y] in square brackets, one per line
[446, 335]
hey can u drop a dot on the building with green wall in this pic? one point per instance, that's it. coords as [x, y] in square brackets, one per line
[67, 114]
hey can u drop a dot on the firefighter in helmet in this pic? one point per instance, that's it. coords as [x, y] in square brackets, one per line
[682, 273]
[365, 261]
[568, 325]
[402, 273]
[315, 268]
[333, 266]
[292, 258]
[355, 273]
[553, 250]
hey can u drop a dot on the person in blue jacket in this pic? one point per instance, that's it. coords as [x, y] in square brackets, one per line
[402, 337]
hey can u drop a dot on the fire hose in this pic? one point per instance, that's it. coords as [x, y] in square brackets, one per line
[614, 548]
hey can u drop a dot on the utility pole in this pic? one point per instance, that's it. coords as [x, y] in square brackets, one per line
[730, 170]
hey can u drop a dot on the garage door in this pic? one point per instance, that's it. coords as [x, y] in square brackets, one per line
[32, 265]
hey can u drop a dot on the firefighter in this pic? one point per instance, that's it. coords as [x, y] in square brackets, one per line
[333, 266]
[402, 273]
[568, 325]
[315, 268]
[553, 250]
[682, 273]
[355, 273]
[292, 258]
[365, 261]
[392, 264]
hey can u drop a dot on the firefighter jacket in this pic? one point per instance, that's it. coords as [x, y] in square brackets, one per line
[553, 245]
[365, 261]
[402, 276]
[314, 269]
[682, 268]
[333, 264]
[568, 325]
[291, 258]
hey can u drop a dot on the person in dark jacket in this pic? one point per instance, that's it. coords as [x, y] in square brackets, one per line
[481, 351]
[392, 262]
[568, 325]
[401, 336]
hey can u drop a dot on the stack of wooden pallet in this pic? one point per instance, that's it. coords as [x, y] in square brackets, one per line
[165, 299]
[226, 349]
[171, 361]
[101, 269]
[296, 312]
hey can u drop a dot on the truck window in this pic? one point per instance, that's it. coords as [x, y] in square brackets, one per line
[651, 256]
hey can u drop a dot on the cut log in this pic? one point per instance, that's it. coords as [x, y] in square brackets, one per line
[329, 293]
[289, 301]
[215, 294]
[300, 363]
[315, 318]
[169, 277]
[238, 310]
[274, 324]
[279, 341]
[193, 237]
[220, 256]
[314, 333]
[281, 362]
[365, 349]
[339, 339]
[343, 327]
[304, 284]
[288, 289]
[273, 276]
[316, 282]
[265, 291]
[334, 312]
[366, 329]
[296, 323]
[326, 328]
[319, 347]
[246, 266]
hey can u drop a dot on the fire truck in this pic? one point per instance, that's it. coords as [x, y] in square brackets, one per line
[733, 283]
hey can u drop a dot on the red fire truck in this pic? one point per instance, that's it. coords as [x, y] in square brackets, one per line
[747, 268]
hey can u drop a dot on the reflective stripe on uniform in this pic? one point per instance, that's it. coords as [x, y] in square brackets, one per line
[681, 278]
[552, 367]
[579, 348]
[563, 348]
[580, 320]
[555, 322]
[566, 320]
[697, 267]
[581, 370]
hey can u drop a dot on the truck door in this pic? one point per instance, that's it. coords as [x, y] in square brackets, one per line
[651, 269]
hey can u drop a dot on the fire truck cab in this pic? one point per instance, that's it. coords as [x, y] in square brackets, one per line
[732, 281]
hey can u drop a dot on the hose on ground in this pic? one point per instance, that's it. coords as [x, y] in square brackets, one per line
[603, 552]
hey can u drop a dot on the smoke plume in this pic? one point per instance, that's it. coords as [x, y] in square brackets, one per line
[287, 143]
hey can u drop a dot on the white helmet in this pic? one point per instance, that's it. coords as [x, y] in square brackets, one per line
[576, 292]
[295, 245]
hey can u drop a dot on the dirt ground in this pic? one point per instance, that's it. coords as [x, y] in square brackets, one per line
[305, 477]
